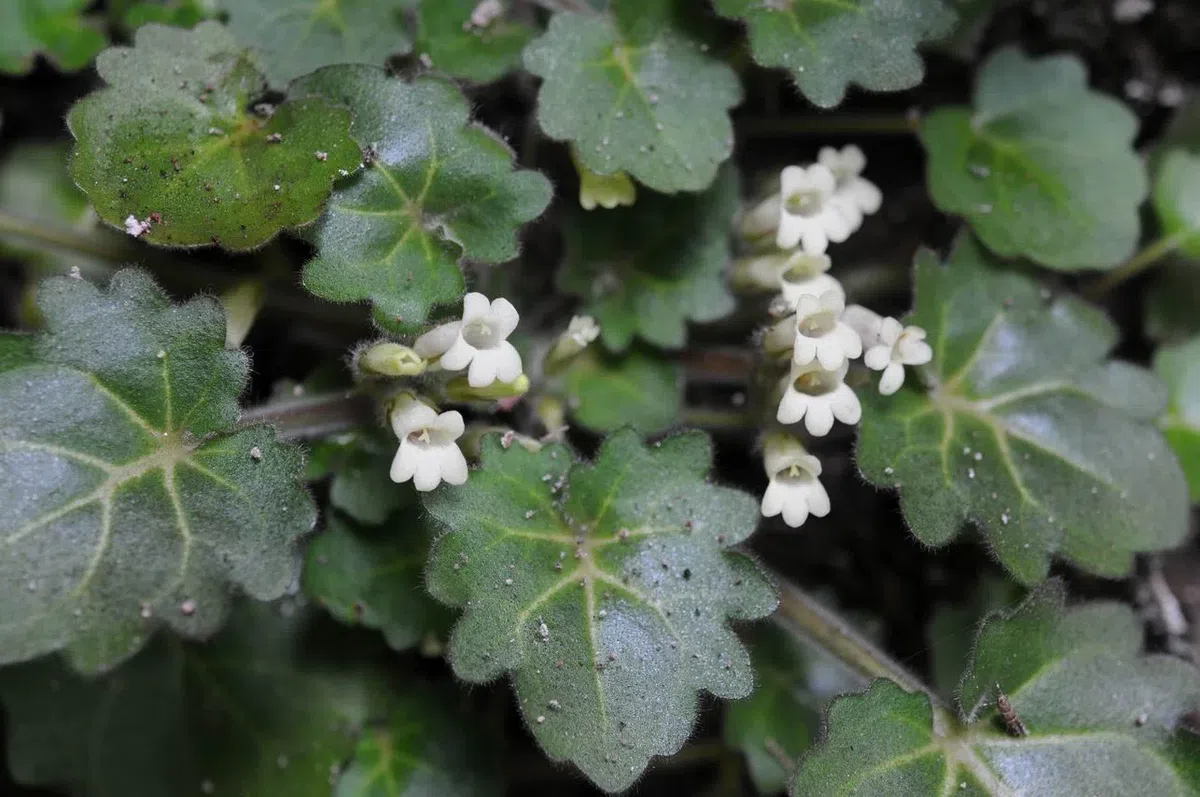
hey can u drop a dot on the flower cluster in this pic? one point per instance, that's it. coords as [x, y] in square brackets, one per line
[787, 235]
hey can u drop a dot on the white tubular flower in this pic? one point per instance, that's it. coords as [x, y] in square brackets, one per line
[821, 335]
[805, 276]
[865, 322]
[794, 490]
[854, 195]
[808, 215]
[818, 396]
[898, 346]
[480, 340]
[428, 453]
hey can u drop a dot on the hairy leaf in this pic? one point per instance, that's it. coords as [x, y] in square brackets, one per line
[16, 350]
[634, 93]
[1177, 200]
[295, 37]
[1101, 719]
[605, 589]
[1042, 166]
[649, 269]
[640, 389]
[423, 751]
[1179, 367]
[827, 46]
[173, 134]
[438, 191]
[267, 708]
[360, 486]
[374, 577]
[954, 626]
[180, 13]
[480, 56]
[126, 502]
[1025, 431]
[54, 28]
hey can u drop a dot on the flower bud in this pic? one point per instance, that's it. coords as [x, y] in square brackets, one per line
[460, 390]
[391, 359]
[579, 334]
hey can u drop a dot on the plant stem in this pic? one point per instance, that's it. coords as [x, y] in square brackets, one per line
[578, 6]
[1135, 265]
[829, 124]
[801, 614]
[314, 416]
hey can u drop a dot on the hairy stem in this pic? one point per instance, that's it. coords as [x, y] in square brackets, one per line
[1147, 257]
[314, 416]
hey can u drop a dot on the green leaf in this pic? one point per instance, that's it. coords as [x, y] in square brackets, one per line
[1027, 431]
[267, 708]
[827, 46]
[440, 191]
[954, 626]
[1101, 718]
[634, 93]
[1177, 200]
[54, 28]
[179, 13]
[295, 37]
[1042, 166]
[605, 590]
[129, 503]
[1179, 367]
[649, 269]
[173, 134]
[374, 577]
[479, 56]
[641, 389]
[361, 486]
[423, 751]
[16, 350]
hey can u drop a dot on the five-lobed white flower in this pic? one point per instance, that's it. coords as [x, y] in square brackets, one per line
[897, 347]
[821, 335]
[479, 340]
[429, 452]
[808, 214]
[794, 489]
[805, 276]
[817, 396]
[854, 195]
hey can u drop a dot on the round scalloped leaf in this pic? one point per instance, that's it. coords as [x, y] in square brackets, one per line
[633, 93]
[649, 269]
[295, 37]
[439, 190]
[827, 46]
[1177, 200]
[604, 589]
[1027, 430]
[54, 28]
[642, 389]
[1179, 366]
[128, 502]
[479, 56]
[270, 707]
[1042, 166]
[173, 141]
[374, 577]
[1101, 719]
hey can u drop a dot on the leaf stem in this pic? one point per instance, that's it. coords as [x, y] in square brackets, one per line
[314, 416]
[829, 124]
[1147, 257]
[804, 616]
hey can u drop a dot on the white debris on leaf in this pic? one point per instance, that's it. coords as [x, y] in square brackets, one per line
[808, 214]
[429, 452]
[817, 397]
[479, 340]
[898, 346]
[854, 195]
[821, 335]
[794, 490]
[136, 227]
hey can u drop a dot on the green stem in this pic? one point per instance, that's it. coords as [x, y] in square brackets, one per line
[1141, 261]
[578, 6]
[314, 416]
[829, 124]
[64, 238]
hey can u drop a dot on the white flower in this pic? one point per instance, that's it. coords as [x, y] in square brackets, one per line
[865, 322]
[428, 452]
[854, 195]
[820, 333]
[136, 227]
[582, 330]
[805, 276]
[794, 490]
[479, 340]
[818, 396]
[898, 346]
[807, 213]
[762, 221]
